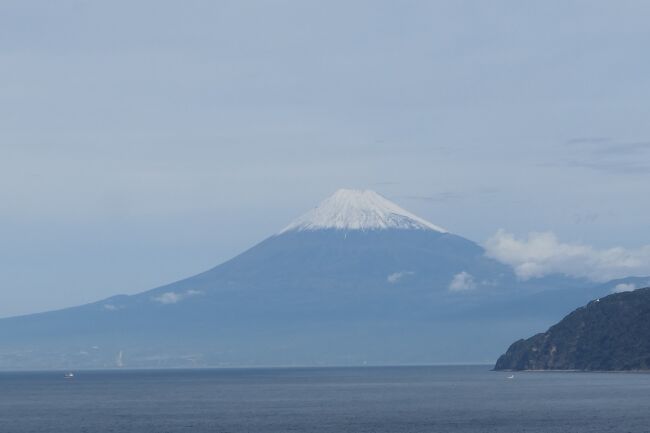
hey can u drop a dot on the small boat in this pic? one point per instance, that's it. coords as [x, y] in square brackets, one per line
[68, 376]
[512, 376]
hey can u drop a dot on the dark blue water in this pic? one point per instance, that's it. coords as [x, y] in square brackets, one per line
[396, 400]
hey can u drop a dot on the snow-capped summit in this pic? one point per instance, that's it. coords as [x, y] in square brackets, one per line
[354, 209]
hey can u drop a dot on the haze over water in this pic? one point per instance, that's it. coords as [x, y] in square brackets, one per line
[337, 400]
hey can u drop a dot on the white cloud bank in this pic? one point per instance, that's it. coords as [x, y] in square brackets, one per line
[541, 253]
[174, 297]
[462, 282]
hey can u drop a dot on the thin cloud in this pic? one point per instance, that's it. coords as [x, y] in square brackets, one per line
[607, 155]
[587, 140]
[441, 197]
[387, 183]
[585, 218]
[451, 196]
[633, 148]
[616, 167]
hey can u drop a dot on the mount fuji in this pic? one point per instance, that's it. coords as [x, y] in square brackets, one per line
[355, 280]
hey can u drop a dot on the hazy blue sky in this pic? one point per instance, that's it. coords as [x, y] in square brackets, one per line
[144, 141]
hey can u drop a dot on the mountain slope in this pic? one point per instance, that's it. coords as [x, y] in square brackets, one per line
[358, 279]
[610, 333]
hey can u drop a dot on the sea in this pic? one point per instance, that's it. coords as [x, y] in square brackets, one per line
[337, 400]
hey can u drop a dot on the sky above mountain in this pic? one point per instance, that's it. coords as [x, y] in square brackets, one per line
[141, 142]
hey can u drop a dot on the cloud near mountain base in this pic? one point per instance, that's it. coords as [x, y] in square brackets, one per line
[174, 297]
[542, 253]
[462, 282]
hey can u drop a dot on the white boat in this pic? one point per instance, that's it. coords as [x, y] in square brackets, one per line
[512, 376]
[68, 375]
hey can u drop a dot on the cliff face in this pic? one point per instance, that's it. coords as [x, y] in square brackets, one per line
[611, 333]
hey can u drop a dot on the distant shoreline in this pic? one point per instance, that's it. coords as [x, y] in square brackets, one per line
[570, 371]
[268, 367]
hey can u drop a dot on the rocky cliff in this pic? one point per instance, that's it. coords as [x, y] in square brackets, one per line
[611, 333]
